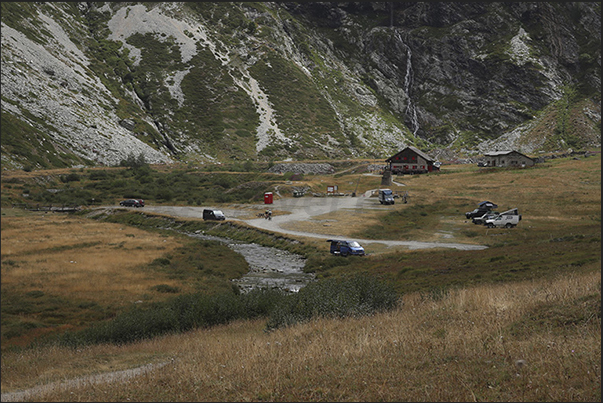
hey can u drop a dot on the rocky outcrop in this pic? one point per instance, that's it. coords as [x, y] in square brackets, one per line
[297, 168]
[207, 82]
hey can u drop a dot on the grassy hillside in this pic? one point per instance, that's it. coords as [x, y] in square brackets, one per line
[527, 341]
[518, 321]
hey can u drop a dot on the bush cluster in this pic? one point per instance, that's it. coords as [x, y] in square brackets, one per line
[140, 181]
[355, 296]
[180, 314]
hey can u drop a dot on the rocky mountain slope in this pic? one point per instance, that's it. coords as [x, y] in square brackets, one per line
[95, 83]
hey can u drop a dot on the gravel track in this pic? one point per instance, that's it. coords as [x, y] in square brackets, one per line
[303, 209]
[37, 393]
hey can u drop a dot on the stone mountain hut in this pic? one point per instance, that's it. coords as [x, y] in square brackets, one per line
[411, 160]
[507, 159]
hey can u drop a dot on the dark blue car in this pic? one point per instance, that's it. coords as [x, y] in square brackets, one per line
[345, 248]
[132, 203]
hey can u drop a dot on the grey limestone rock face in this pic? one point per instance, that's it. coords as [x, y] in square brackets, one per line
[330, 80]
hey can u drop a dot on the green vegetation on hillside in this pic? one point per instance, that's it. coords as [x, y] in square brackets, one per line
[84, 187]
[303, 112]
[32, 147]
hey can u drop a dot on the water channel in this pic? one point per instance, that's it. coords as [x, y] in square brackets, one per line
[268, 267]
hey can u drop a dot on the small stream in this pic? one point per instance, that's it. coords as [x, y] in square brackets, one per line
[268, 267]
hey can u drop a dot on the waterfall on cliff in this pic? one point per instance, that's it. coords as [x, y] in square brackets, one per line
[411, 112]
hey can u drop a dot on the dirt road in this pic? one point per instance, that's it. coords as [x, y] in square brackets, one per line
[303, 209]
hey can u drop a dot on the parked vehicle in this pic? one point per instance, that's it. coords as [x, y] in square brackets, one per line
[132, 203]
[345, 248]
[487, 216]
[507, 219]
[386, 196]
[216, 215]
[482, 208]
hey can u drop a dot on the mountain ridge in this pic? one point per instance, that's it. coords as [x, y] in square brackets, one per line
[92, 83]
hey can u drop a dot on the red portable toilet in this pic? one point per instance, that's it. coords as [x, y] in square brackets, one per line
[268, 198]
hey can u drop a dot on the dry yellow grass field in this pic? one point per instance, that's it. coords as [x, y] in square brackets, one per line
[84, 259]
[467, 346]
[91, 264]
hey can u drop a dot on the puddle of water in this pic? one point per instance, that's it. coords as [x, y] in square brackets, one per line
[268, 267]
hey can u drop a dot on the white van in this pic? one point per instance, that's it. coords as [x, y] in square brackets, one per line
[507, 219]
[386, 196]
[217, 215]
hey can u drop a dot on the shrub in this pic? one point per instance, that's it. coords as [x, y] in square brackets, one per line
[72, 177]
[260, 302]
[164, 288]
[133, 161]
[183, 313]
[164, 195]
[97, 175]
[355, 296]
[161, 261]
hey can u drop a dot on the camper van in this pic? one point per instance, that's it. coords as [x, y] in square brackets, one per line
[386, 196]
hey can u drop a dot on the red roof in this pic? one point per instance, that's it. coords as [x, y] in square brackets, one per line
[413, 149]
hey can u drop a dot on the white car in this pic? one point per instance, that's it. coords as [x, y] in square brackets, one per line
[507, 219]
[488, 216]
